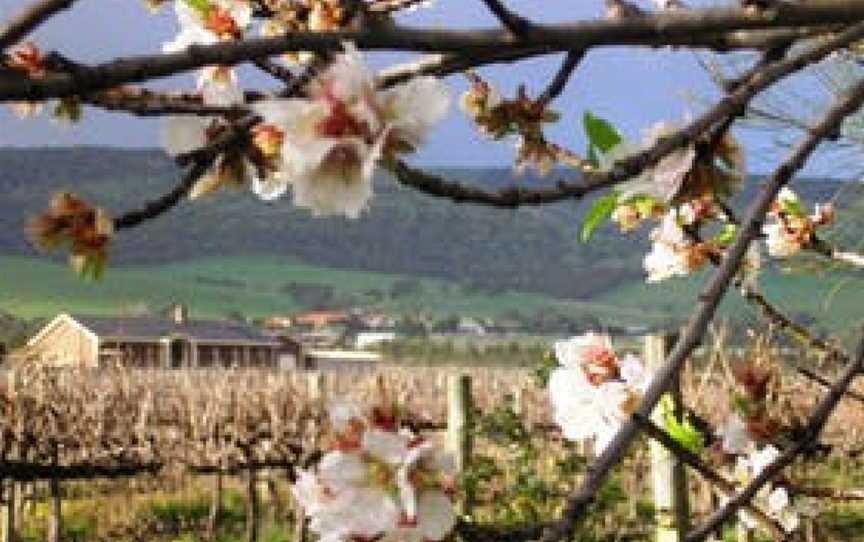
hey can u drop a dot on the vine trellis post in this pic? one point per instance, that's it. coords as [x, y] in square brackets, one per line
[671, 495]
[7, 511]
[459, 441]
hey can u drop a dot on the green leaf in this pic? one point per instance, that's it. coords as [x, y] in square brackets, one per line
[201, 6]
[601, 134]
[599, 211]
[682, 430]
[644, 204]
[793, 207]
[727, 234]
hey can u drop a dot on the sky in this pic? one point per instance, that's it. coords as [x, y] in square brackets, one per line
[631, 88]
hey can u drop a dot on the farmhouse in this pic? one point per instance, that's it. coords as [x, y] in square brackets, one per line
[156, 342]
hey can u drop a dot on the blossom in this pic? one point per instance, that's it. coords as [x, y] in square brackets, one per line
[664, 180]
[593, 392]
[256, 163]
[218, 86]
[734, 437]
[380, 483]
[334, 140]
[778, 504]
[781, 242]
[672, 253]
[205, 22]
[74, 222]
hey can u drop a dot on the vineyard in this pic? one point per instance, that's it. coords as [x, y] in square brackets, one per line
[193, 455]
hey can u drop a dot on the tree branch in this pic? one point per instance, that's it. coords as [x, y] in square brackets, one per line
[556, 86]
[815, 425]
[516, 24]
[29, 19]
[203, 158]
[715, 28]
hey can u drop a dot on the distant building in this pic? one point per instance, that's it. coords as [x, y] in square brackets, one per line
[470, 326]
[320, 318]
[365, 339]
[341, 360]
[152, 342]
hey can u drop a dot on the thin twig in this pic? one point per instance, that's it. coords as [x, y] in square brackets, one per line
[513, 22]
[731, 105]
[29, 19]
[202, 160]
[556, 86]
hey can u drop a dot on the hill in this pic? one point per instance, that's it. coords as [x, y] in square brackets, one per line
[232, 253]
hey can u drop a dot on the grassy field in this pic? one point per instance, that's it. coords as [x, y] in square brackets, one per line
[256, 287]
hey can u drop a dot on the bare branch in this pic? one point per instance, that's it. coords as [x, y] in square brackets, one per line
[556, 86]
[715, 28]
[147, 103]
[815, 425]
[203, 158]
[275, 70]
[513, 22]
[30, 18]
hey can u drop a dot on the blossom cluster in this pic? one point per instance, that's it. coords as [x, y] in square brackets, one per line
[789, 228]
[72, 221]
[521, 117]
[593, 390]
[746, 436]
[326, 146]
[378, 482]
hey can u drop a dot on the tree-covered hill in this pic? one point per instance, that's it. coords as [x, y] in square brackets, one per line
[406, 233]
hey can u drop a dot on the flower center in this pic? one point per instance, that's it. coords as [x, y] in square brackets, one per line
[600, 365]
[221, 23]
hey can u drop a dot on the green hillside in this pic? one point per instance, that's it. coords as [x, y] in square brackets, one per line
[234, 254]
[211, 287]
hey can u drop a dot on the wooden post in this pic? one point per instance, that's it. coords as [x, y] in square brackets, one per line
[55, 524]
[459, 439]
[251, 504]
[670, 479]
[7, 512]
[18, 506]
[215, 507]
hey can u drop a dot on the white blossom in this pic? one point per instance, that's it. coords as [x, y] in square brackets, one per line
[333, 140]
[593, 392]
[386, 484]
[734, 437]
[661, 182]
[672, 254]
[222, 19]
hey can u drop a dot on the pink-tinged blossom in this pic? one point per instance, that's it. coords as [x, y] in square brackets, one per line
[661, 182]
[593, 392]
[379, 483]
[734, 437]
[212, 21]
[672, 253]
[335, 138]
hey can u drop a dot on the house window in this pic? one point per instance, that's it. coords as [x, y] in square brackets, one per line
[205, 355]
[177, 353]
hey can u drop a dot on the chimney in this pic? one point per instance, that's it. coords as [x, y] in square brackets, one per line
[179, 313]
